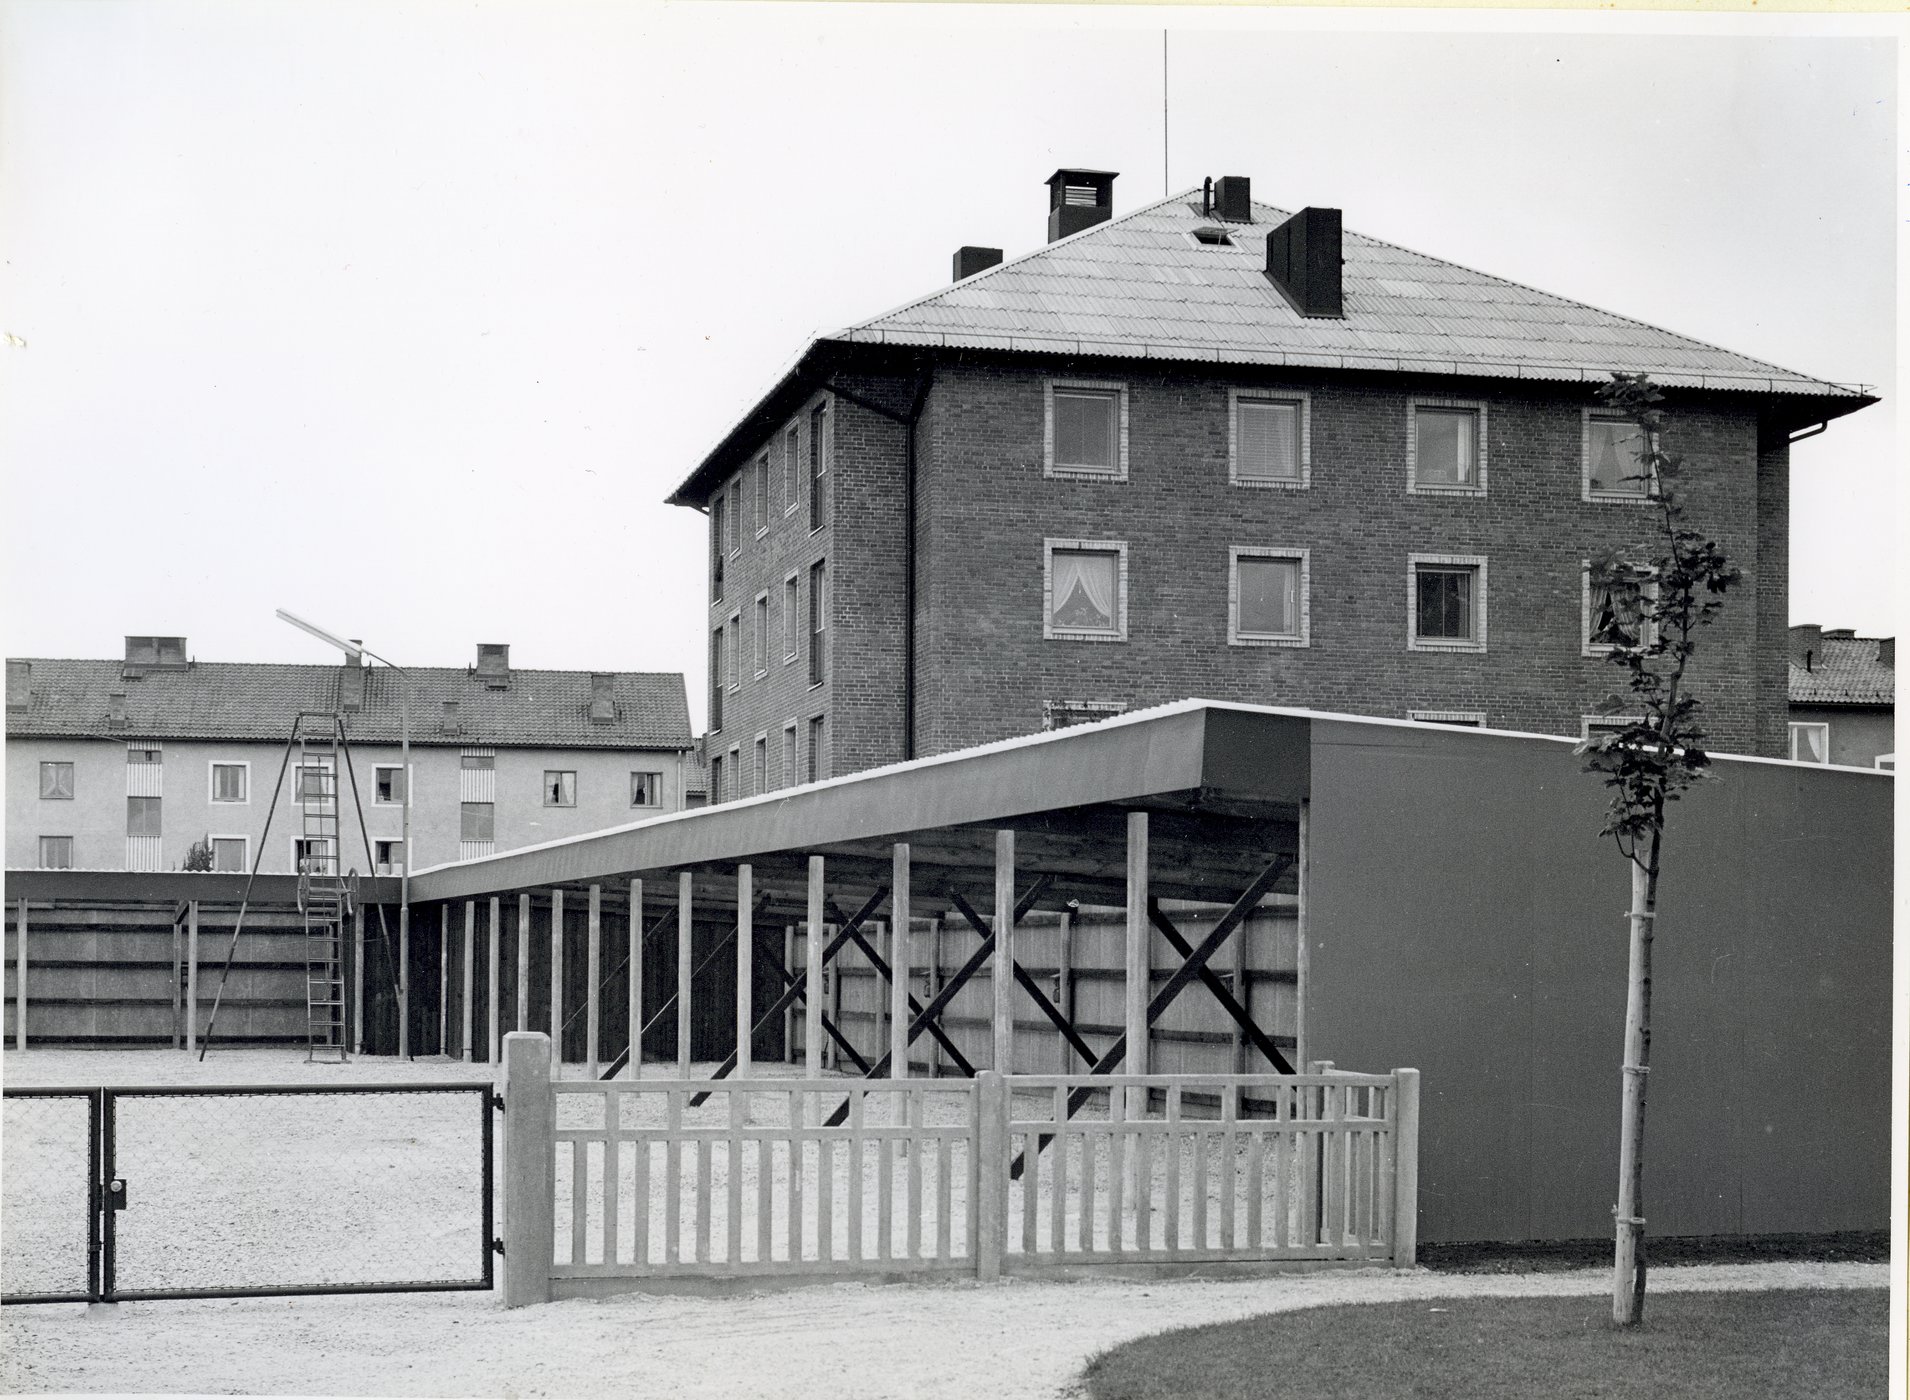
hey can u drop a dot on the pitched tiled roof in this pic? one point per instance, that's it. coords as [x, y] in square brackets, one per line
[254, 700]
[1844, 671]
[1140, 286]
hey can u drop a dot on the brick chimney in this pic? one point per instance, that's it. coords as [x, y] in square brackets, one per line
[603, 704]
[1233, 199]
[494, 665]
[19, 685]
[970, 260]
[1303, 262]
[351, 687]
[116, 709]
[1079, 199]
[1807, 640]
[1887, 652]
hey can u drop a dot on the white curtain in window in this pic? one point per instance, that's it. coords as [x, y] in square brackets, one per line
[1810, 743]
[1084, 589]
[1615, 447]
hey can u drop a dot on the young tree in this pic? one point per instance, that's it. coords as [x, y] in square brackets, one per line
[1650, 601]
[198, 856]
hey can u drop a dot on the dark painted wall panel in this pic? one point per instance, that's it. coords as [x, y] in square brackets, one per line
[1467, 920]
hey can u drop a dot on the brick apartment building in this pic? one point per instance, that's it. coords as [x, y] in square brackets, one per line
[1213, 448]
[125, 765]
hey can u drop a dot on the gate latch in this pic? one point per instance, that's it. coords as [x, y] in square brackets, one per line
[116, 1193]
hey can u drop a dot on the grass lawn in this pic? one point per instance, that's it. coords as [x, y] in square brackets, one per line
[1693, 1346]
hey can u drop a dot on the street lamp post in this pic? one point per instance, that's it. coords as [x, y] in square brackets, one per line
[354, 649]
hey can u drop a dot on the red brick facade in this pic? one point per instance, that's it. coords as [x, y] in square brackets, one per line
[984, 508]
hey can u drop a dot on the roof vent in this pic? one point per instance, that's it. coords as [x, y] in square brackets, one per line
[19, 684]
[969, 261]
[448, 721]
[1213, 236]
[494, 665]
[1807, 639]
[154, 653]
[116, 709]
[1303, 262]
[1079, 199]
[351, 687]
[1233, 200]
[603, 703]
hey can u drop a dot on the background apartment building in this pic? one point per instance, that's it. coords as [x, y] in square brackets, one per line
[1843, 697]
[126, 765]
[1215, 449]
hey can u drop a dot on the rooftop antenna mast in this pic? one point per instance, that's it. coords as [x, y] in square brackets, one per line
[1166, 188]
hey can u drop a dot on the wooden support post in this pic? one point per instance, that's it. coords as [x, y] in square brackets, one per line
[745, 969]
[523, 962]
[991, 1154]
[493, 1015]
[20, 922]
[1301, 954]
[789, 1009]
[1243, 993]
[1406, 1169]
[404, 972]
[470, 974]
[934, 989]
[358, 981]
[1139, 964]
[530, 1121]
[1002, 968]
[444, 979]
[633, 1052]
[178, 981]
[685, 927]
[833, 976]
[812, 976]
[1064, 985]
[557, 983]
[899, 963]
[192, 975]
[593, 962]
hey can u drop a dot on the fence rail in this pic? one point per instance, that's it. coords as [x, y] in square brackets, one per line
[611, 1183]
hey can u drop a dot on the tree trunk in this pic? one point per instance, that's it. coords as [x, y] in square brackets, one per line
[1628, 1259]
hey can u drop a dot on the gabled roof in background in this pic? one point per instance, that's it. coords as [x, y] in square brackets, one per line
[1140, 287]
[258, 700]
[1845, 670]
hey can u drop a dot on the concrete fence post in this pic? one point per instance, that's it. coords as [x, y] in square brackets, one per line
[530, 1119]
[991, 1156]
[1406, 1169]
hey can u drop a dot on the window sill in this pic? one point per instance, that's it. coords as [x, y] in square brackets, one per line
[1420, 488]
[1269, 483]
[1057, 634]
[817, 685]
[762, 532]
[1252, 641]
[1618, 498]
[1084, 474]
[1420, 644]
[762, 674]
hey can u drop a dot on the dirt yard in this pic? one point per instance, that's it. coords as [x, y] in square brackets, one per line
[838, 1341]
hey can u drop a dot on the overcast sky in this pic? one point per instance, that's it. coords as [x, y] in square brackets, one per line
[406, 317]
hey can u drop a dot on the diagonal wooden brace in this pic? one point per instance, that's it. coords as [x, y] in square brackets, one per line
[881, 965]
[1032, 988]
[1226, 998]
[795, 992]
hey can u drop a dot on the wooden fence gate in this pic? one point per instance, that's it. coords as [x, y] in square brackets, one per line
[614, 1184]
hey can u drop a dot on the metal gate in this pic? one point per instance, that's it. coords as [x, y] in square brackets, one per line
[245, 1191]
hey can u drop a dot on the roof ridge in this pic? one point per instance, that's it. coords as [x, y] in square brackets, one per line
[1005, 264]
[1588, 306]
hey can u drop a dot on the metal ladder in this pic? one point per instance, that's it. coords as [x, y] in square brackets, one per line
[324, 895]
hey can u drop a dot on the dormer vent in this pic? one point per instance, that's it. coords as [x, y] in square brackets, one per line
[154, 653]
[1213, 236]
[494, 665]
[1303, 262]
[1233, 200]
[603, 700]
[19, 685]
[1079, 199]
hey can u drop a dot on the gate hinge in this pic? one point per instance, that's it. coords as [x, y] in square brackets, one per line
[497, 1102]
[497, 1246]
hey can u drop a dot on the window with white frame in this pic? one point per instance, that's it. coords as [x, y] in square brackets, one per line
[228, 853]
[1267, 604]
[759, 639]
[792, 471]
[1810, 743]
[56, 853]
[56, 781]
[314, 784]
[646, 789]
[716, 779]
[477, 821]
[312, 855]
[390, 856]
[734, 512]
[737, 776]
[1613, 612]
[1613, 448]
[789, 776]
[733, 640]
[1086, 433]
[818, 466]
[1445, 447]
[231, 782]
[1465, 719]
[387, 785]
[1446, 602]
[815, 761]
[762, 762]
[762, 495]
[1084, 590]
[560, 787]
[1270, 439]
[792, 603]
[818, 617]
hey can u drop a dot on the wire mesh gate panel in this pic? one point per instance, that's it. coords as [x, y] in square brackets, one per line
[246, 1190]
[744, 1177]
[49, 1216]
[1200, 1169]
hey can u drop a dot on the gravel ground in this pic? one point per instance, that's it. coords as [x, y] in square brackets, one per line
[835, 1341]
